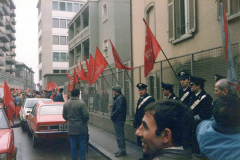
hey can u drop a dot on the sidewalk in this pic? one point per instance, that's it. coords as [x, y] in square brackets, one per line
[106, 144]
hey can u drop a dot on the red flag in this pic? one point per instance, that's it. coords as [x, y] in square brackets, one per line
[70, 78]
[86, 62]
[70, 87]
[20, 90]
[117, 59]
[75, 78]
[99, 65]
[53, 85]
[83, 73]
[152, 48]
[49, 86]
[79, 74]
[28, 90]
[15, 90]
[56, 86]
[8, 101]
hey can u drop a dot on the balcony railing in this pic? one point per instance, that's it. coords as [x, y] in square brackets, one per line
[12, 54]
[9, 60]
[78, 38]
[1, 12]
[1, 62]
[1, 22]
[4, 37]
[9, 69]
[10, 26]
[10, 35]
[2, 53]
[12, 45]
[13, 21]
[12, 13]
[5, 9]
[6, 2]
[4, 47]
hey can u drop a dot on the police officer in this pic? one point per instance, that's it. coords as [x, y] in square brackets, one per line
[167, 90]
[201, 102]
[185, 92]
[143, 101]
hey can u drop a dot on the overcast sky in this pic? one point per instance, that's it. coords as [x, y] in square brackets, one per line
[27, 34]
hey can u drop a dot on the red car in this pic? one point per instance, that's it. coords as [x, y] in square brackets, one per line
[46, 122]
[7, 149]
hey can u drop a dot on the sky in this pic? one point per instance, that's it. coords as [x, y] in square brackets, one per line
[27, 34]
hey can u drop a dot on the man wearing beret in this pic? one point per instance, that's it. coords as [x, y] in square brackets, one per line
[201, 102]
[167, 90]
[118, 116]
[143, 101]
[185, 92]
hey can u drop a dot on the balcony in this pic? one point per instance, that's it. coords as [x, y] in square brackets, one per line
[7, 2]
[12, 53]
[10, 35]
[2, 53]
[12, 13]
[1, 12]
[79, 37]
[12, 45]
[10, 26]
[5, 8]
[9, 60]
[10, 69]
[4, 47]
[13, 21]
[1, 21]
[1, 62]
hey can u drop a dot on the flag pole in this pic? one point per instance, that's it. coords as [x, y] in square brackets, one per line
[113, 74]
[105, 79]
[128, 76]
[169, 64]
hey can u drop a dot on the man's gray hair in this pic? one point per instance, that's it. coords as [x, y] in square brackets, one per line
[224, 84]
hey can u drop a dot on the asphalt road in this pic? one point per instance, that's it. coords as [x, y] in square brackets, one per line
[47, 150]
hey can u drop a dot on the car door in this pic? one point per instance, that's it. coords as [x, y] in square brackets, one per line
[32, 118]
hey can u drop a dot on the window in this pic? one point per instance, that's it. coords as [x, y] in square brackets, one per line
[62, 6]
[63, 71]
[105, 48]
[181, 19]
[63, 40]
[55, 56]
[40, 58]
[55, 71]
[62, 23]
[55, 22]
[40, 75]
[55, 39]
[39, 41]
[76, 7]
[69, 7]
[55, 5]
[63, 57]
[232, 8]
[104, 12]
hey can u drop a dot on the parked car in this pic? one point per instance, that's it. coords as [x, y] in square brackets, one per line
[7, 149]
[27, 108]
[46, 122]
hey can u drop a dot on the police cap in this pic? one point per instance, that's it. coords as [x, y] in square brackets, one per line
[141, 86]
[197, 80]
[182, 75]
[167, 86]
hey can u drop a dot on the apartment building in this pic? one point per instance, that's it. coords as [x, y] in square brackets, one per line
[7, 45]
[189, 32]
[53, 18]
[93, 26]
[27, 74]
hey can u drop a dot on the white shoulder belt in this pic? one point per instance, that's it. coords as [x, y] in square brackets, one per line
[197, 102]
[144, 100]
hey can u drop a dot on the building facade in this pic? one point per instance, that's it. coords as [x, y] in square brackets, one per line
[93, 26]
[27, 74]
[53, 18]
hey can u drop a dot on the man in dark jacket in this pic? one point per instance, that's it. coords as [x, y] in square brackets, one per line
[60, 96]
[167, 90]
[76, 114]
[96, 98]
[118, 116]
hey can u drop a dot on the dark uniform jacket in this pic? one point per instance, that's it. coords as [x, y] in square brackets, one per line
[76, 114]
[85, 98]
[203, 110]
[187, 98]
[173, 96]
[60, 97]
[119, 109]
[140, 111]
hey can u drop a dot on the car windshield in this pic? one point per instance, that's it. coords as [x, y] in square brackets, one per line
[3, 120]
[51, 109]
[31, 103]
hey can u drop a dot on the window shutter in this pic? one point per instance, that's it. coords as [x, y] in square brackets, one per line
[170, 20]
[192, 15]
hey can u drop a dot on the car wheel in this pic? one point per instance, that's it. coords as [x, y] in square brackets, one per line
[35, 141]
[22, 126]
[29, 132]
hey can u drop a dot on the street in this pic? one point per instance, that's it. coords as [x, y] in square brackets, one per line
[47, 150]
